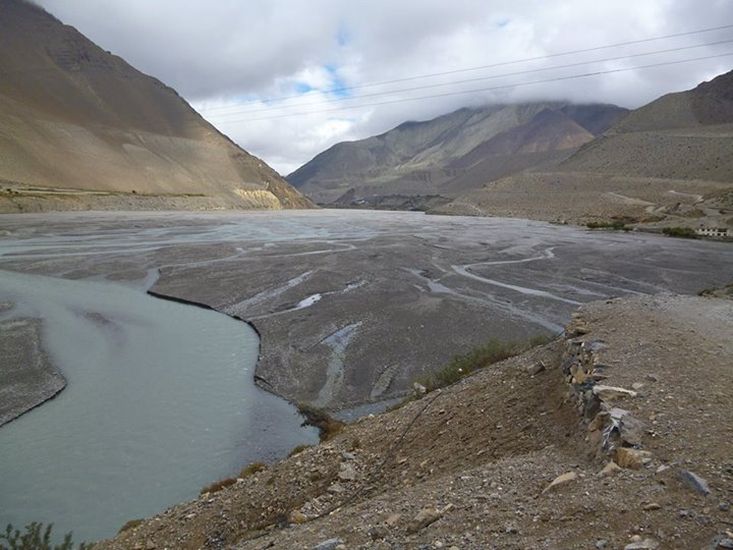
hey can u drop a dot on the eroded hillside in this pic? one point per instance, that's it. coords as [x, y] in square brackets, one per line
[80, 127]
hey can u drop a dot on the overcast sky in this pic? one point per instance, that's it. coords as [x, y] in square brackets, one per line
[235, 60]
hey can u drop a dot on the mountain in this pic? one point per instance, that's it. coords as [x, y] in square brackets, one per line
[80, 127]
[453, 152]
[670, 161]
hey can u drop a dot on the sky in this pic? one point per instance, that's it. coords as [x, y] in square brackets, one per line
[286, 79]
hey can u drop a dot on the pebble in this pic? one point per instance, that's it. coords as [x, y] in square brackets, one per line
[601, 544]
[695, 482]
[424, 517]
[652, 506]
[610, 469]
[329, 544]
[561, 480]
[646, 544]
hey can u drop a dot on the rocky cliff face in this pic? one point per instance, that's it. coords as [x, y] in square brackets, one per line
[454, 152]
[77, 122]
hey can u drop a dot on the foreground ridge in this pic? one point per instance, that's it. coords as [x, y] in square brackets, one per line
[613, 435]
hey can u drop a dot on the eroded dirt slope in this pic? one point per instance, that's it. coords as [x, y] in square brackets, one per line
[640, 381]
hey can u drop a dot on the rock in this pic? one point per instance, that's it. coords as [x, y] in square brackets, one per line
[347, 472]
[611, 393]
[651, 506]
[601, 544]
[535, 369]
[695, 482]
[661, 469]
[561, 480]
[652, 378]
[378, 532]
[631, 429]
[419, 389]
[345, 455]
[424, 517]
[633, 459]
[610, 469]
[725, 543]
[637, 386]
[724, 506]
[646, 544]
[393, 519]
[329, 544]
[298, 517]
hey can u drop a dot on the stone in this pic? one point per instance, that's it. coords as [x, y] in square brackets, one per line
[330, 544]
[561, 480]
[393, 519]
[661, 469]
[630, 429]
[378, 532]
[347, 472]
[637, 386]
[633, 459]
[725, 543]
[651, 506]
[695, 482]
[424, 517]
[724, 506]
[611, 393]
[345, 455]
[601, 544]
[535, 369]
[419, 389]
[646, 544]
[610, 469]
[298, 517]
[652, 378]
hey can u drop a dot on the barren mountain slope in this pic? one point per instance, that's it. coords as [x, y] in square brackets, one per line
[672, 158]
[74, 117]
[421, 158]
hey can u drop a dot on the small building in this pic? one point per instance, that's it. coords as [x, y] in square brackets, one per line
[720, 232]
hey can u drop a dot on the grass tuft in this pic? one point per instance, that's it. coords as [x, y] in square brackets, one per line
[218, 485]
[488, 354]
[680, 232]
[299, 449]
[252, 469]
[130, 525]
[328, 427]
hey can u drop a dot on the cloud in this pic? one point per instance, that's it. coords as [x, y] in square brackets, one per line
[233, 59]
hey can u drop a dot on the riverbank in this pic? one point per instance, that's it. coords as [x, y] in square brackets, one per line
[519, 455]
[29, 379]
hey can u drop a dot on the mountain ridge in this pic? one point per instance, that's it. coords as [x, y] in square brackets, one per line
[424, 157]
[75, 117]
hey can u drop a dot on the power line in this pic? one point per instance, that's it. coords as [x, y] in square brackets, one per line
[494, 88]
[477, 79]
[481, 67]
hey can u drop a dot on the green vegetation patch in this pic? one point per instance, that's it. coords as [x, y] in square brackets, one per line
[488, 354]
[36, 537]
[616, 225]
[680, 232]
[327, 426]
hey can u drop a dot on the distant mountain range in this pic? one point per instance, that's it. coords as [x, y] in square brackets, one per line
[80, 127]
[455, 152]
[669, 160]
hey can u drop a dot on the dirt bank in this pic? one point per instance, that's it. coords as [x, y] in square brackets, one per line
[470, 466]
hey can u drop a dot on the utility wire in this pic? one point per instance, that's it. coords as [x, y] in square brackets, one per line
[481, 67]
[476, 79]
[476, 90]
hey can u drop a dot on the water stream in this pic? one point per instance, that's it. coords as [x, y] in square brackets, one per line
[160, 401]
